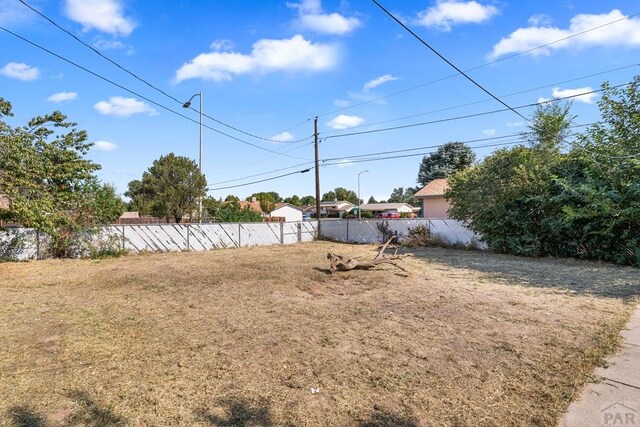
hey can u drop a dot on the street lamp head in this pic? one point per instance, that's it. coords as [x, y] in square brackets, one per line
[186, 104]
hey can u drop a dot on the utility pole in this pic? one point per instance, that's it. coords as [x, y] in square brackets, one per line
[315, 136]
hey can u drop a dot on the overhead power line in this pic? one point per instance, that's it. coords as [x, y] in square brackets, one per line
[262, 180]
[137, 77]
[370, 101]
[421, 40]
[466, 116]
[486, 100]
[93, 73]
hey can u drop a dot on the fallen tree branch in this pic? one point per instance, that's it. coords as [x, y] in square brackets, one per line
[338, 262]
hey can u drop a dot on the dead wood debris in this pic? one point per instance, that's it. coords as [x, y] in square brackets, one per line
[338, 262]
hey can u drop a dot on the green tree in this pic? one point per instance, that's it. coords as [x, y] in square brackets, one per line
[451, 157]
[267, 200]
[52, 187]
[372, 200]
[139, 197]
[307, 201]
[294, 200]
[175, 185]
[107, 205]
[231, 198]
[230, 211]
[340, 194]
[403, 195]
[506, 198]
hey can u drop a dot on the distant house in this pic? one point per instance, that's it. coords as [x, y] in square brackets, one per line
[383, 208]
[289, 212]
[434, 205]
[254, 205]
[336, 209]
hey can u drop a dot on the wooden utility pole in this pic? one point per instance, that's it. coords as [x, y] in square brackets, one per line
[315, 135]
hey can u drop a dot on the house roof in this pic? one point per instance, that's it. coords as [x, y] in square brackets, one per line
[340, 204]
[130, 215]
[383, 206]
[254, 206]
[437, 187]
[282, 205]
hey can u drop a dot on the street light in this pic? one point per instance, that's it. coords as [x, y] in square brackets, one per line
[359, 211]
[187, 105]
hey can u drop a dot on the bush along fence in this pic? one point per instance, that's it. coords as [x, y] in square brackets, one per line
[23, 244]
[442, 232]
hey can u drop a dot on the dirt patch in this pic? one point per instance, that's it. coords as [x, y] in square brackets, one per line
[265, 336]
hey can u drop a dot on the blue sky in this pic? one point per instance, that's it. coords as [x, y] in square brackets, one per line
[269, 67]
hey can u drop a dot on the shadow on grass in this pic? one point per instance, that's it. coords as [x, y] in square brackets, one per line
[92, 413]
[586, 277]
[22, 416]
[384, 418]
[323, 270]
[240, 412]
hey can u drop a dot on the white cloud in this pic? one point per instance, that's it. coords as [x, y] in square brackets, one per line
[104, 146]
[124, 107]
[12, 12]
[588, 98]
[100, 43]
[267, 55]
[63, 96]
[345, 122]
[102, 15]
[626, 32]
[222, 45]
[311, 17]
[447, 13]
[283, 137]
[540, 20]
[344, 163]
[489, 132]
[372, 84]
[20, 71]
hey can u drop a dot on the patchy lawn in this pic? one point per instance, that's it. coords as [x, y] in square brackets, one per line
[240, 337]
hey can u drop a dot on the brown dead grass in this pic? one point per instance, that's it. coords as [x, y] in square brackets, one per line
[239, 337]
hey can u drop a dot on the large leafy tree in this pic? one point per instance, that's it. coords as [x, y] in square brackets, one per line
[50, 184]
[307, 201]
[403, 195]
[451, 157]
[267, 200]
[553, 198]
[174, 185]
[340, 194]
[139, 197]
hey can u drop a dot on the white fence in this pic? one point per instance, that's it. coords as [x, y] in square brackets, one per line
[24, 244]
[367, 231]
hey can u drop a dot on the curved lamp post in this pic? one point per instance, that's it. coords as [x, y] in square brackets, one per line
[187, 105]
[359, 212]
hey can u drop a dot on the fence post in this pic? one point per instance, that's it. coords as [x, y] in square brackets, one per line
[281, 233]
[299, 232]
[188, 246]
[239, 235]
[123, 238]
[347, 231]
[37, 244]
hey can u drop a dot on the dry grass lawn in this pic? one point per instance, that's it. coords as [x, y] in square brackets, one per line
[240, 337]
